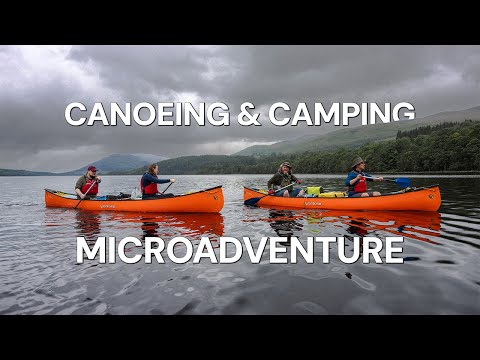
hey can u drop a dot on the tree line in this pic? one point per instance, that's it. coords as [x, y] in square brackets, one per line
[444, 147]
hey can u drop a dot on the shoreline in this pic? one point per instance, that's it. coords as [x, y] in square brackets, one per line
[473, 172]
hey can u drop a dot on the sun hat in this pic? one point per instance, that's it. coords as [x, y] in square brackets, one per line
[357, 161]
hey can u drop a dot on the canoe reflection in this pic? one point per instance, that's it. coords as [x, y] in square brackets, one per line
[88, 224]
[152, 224]
[284, 223]
[419, 225]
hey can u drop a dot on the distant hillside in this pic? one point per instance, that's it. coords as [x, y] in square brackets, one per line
[13, 172]
[446, 147]
[358, 136]
[202, 164]
[118, 162]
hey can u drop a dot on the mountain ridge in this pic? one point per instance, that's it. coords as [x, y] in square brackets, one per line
[359, 135]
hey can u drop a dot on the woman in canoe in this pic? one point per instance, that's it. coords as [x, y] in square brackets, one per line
[149, 181]
[356, 180]
[282, 178]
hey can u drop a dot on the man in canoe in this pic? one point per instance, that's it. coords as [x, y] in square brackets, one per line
[282, 178]
[149, 181]
[356, 180]
[87, 184]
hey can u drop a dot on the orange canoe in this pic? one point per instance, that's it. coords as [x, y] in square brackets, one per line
[204, 201]
[423, 199]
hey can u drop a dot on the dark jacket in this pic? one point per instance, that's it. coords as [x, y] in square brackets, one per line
[280, 180]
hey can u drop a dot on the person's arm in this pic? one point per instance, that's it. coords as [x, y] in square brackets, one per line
[297, 180]
[352, 179]
[152, 178]
[79, 185]
[272, 181]
[79, 193]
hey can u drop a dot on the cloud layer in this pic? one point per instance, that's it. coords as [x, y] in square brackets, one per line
[38, 82]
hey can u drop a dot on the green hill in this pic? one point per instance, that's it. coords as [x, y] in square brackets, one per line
[202, 164]
[359, 135]
[449, 146]
[13, 172]
[118, 162]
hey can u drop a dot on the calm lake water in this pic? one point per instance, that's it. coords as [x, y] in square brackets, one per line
[39, 274]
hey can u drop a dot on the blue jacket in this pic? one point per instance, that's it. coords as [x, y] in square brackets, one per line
[352, 175]
[149, 178]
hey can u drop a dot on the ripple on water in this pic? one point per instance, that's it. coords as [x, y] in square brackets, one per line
[39, 274]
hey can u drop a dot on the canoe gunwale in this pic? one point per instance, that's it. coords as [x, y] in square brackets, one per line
[203, 201]
[55, 192]
[346, 197]
[413, 199]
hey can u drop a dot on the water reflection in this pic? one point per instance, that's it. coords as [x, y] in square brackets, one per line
[150, 229]
[88, 224]
[418, 225]
[284, 223]
[169, 225]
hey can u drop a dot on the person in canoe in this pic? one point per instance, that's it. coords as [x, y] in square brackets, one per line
[282, 178]
[87, 184]
[356, 181]
[149, 181]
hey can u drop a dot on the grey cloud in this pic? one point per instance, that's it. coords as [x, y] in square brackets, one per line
[36, 84]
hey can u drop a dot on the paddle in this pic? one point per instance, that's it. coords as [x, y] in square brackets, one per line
[403, 182]
[163, 192]
[254, 201]
[93, 183]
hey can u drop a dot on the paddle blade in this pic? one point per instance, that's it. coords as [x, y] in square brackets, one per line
[403, 182]
[252, 201]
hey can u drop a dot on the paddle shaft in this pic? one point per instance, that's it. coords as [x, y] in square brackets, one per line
[163, 192]
[367, 177]
[93, 183]
[253, 201]
[395, 181]
[404, 182]
[275, 191]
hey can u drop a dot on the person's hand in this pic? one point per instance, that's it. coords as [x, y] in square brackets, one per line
[173, 180]
[98, 180]
[359, 176]
[270, 192]
[298, 181]
[380, 178]
[82, 196]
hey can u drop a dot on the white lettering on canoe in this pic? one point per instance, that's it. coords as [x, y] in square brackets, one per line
[107, 206]
[313, 203]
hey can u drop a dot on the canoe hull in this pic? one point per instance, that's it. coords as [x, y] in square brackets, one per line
[422, 199]
[205, 201]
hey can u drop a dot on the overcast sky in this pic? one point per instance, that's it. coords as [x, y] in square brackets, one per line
[38, 82]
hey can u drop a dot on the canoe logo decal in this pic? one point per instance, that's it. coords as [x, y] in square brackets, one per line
[107, 206]
[215, 197]
[313, 203]
[430, 196]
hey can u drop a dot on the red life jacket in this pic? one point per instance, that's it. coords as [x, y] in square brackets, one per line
[150, 189]
[93, 190]
[360, 186]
